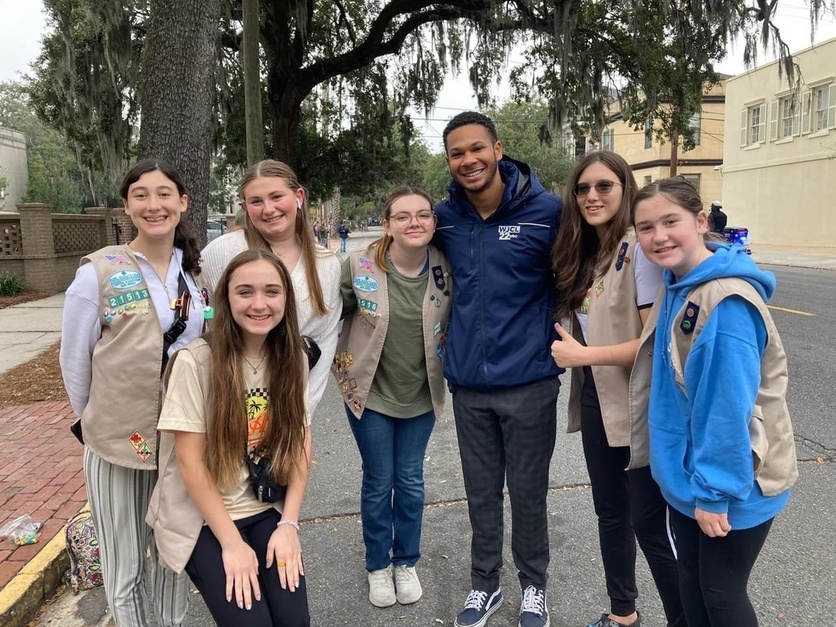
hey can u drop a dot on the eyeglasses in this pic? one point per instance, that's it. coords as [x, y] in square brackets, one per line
[602, 187]
[402, 219]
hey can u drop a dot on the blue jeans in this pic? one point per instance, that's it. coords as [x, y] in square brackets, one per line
[392, 496]
[343, 242]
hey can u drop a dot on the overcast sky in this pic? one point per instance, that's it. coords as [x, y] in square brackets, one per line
[22, 24]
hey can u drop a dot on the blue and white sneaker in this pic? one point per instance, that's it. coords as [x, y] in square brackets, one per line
[478, 608]
[533, 610]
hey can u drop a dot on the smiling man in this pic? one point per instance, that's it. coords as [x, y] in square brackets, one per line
[497, 228]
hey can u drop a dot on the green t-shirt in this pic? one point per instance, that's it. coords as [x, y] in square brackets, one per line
[400, 388]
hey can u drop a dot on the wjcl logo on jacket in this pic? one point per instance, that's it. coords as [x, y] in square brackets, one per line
[508, 232]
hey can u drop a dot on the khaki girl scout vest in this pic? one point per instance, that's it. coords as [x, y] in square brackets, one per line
[770, 430]
[172, 513]
[120, 419]
[363, 332]
[613, 319]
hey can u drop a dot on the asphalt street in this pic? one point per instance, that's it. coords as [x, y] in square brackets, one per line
[793, 585]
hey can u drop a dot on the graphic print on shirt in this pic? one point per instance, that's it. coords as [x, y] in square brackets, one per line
[256, 400]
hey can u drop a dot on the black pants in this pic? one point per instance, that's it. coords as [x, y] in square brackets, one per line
[507, 434]
[629, 505]
[714, 572]
[277, 608]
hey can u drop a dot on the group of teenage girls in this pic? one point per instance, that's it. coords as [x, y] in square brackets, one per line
[678, 388]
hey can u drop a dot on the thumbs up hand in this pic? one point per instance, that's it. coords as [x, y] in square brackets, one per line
[567, 352]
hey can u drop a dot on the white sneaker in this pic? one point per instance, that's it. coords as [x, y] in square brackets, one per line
[407, 584]
[381, 587]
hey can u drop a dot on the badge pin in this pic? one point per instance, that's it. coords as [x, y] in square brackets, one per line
[438, 277]
[622, 256]
[689, 320]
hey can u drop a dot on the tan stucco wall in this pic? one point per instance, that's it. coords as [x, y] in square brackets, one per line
[782, 190]
[654, 162]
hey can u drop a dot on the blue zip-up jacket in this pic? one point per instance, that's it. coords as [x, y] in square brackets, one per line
[501, 328]
[700, 449]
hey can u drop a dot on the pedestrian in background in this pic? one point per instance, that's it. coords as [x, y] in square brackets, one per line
[234, 398]
[497, 228]
[129, 308]
[396, 303]
[343, 232]
[708, 403]
[606, 288]
[717, 219]
[277, 221]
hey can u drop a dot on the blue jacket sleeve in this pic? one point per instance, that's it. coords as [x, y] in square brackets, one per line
[722, 377]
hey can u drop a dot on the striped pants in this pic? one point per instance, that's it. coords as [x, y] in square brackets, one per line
[119, 499]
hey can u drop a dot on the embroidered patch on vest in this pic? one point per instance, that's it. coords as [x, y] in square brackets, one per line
[365, 283]
[438, 277]
[140, 445]
[128, 297]
[365, 264]
[117, 260]
[367, 305]
[125, 280]
[689, 320]
[622, 256]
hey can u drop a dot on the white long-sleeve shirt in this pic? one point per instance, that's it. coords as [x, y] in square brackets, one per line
[81, 325]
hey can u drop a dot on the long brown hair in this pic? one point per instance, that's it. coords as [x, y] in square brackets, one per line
[303, 229]
[380, 247]
[183, 236]
[578, 254]
[283, 440]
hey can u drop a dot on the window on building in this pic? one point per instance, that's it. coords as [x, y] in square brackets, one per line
[648, 180]
[820, 106]
[608, 140]
[648, 133]
[580, 146]
[695, 123]
[784, 118]
[693, 179]
[818, 109]
[753, 124]
[788, 117]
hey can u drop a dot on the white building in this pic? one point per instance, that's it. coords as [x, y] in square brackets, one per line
[779, 158]
[13, 168]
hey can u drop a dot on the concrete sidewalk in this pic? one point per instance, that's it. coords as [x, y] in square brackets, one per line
[40, 474]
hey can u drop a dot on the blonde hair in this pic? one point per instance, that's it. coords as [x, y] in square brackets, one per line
[303, 230]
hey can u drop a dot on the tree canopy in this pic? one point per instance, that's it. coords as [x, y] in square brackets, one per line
[55, 175]
[339, 75]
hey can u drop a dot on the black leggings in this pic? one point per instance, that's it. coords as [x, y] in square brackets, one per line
[629, 505]
[277, 608]
[714, 572]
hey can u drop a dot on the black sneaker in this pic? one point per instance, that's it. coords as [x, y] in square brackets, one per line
[533, 610]
[606, 621]
[478, 608]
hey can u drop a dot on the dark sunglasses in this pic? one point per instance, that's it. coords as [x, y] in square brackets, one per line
[602, 187]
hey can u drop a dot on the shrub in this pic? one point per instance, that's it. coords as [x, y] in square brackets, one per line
[11, 284]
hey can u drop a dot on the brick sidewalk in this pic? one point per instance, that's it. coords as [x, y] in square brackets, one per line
[40, 475]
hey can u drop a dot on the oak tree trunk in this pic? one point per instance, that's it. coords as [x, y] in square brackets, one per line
[176, 95]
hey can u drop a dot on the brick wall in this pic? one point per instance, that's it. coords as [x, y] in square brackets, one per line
[43, 248]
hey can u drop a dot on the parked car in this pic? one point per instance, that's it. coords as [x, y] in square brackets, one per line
[214, 229]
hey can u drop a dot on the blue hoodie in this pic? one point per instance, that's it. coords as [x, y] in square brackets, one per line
[700, 451]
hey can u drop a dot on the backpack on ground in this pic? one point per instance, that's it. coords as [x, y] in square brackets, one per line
[83, 548]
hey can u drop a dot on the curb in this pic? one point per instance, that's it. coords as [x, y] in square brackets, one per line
[35, 582]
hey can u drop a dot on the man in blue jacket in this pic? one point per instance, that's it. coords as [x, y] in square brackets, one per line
[497, 228]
